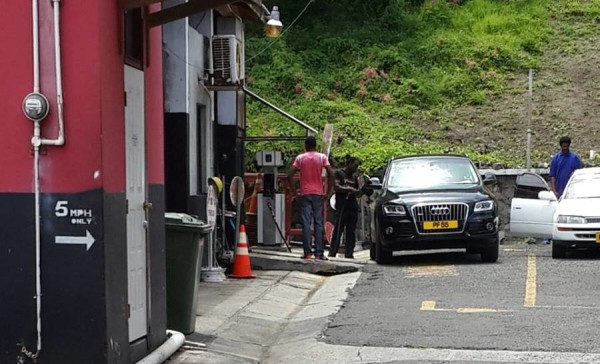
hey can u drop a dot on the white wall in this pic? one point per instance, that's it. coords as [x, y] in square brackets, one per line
[231, 26]
[175, 68]
[184, 71]
[227, 107]
[202, 96]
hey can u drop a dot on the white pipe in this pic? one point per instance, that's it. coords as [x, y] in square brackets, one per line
[60, 140]
[36, 48]
[35, 141]
[168, 348]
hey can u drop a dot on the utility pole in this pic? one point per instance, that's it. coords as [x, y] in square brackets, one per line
[529, 117]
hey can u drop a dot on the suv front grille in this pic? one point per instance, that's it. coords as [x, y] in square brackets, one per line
[435, 216]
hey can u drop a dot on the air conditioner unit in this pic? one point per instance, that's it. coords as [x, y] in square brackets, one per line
[228, 60]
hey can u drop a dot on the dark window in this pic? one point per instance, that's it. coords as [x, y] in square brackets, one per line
[200, 131]
[177, 180]
[528, 185]
[134, 38]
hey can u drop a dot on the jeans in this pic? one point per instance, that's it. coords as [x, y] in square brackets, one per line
[312, 207]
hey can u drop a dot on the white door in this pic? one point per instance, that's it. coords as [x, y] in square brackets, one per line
[136, 196]
[529, 217]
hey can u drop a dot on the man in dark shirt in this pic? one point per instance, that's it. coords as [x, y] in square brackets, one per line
[562, 166]
[346, 208]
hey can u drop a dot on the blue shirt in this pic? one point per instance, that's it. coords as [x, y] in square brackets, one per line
[562, 167]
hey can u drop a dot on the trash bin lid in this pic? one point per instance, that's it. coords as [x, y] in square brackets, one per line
[178, 219]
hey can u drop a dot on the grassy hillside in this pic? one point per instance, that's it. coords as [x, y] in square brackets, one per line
[400, 77]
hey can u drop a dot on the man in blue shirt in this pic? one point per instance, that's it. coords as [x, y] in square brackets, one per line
[562, 166]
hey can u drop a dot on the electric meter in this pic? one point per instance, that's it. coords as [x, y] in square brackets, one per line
[35, 106]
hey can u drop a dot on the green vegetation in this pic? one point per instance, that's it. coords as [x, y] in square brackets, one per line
[378, 69]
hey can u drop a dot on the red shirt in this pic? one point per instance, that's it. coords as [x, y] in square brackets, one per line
[311, 166]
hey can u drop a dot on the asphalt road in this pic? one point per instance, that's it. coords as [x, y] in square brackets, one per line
[527, 301]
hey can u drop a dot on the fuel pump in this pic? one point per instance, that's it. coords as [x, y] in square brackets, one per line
[270, 202]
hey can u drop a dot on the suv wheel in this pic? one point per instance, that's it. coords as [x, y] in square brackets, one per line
[372, 252]
[558, 250]
[382, 255]
[490, 254]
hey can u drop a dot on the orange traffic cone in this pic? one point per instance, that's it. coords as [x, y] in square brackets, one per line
[241, 262]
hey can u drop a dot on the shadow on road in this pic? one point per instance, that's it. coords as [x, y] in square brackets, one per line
[422, 258]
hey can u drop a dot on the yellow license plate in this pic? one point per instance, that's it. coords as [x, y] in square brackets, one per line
[598, 237]
[439, 225]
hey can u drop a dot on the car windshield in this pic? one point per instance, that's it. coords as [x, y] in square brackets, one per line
[583, 186]
[431, 173]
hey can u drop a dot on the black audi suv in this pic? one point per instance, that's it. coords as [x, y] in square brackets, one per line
[434, 202]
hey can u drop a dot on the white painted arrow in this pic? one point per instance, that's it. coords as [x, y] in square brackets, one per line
[87, 240]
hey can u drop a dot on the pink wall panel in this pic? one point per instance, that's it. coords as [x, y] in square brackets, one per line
[154, 108]
[76, 166]
[16, 81]
[112, 97]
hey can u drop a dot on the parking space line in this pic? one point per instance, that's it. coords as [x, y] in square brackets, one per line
[571, 307]
[437, 270]
[478, 310]
[531, 283]
[430, 306]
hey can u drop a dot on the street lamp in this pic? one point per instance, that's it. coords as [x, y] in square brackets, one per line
[273, 27]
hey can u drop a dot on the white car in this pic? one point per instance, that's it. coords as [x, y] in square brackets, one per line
[572, 222]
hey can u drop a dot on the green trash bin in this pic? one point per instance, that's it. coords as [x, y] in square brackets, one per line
[185, 236]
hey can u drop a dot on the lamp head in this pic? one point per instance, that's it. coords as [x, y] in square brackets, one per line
[273, 27]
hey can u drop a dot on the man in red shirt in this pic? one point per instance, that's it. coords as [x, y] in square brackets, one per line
[310, 165]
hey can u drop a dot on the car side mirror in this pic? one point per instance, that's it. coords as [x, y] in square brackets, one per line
[374, 183]
[368, 184]
[547, 195]
[489, 178]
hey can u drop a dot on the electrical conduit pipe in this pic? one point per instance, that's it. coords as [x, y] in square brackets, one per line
[60, 140]
[36, 142]
[174, 341]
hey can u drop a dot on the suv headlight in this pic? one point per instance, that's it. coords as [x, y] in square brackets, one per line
[484, 206]
[568, 219]
[394, 210]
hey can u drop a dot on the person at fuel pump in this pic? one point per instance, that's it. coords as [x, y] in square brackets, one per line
[346, 207]
[310, 164]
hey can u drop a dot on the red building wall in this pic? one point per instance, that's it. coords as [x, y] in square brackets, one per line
[92, 64]
[84, 291]
[16, 80]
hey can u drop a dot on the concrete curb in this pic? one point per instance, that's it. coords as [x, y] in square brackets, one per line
[274, 262]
